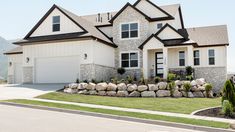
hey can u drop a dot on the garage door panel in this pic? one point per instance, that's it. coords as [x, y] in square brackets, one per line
[57, 70]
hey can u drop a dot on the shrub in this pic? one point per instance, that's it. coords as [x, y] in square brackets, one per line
[121, 71]
[228, 92]
[171, 87]
[114, 80]
[171, 77]
[130, 79]
[157, 79]
[227, 108]
[187, 87]
[77, 81]
[93, 81]
[85, 81]
[190, 77]
[189, 70]
[143, 81]
[208, 89]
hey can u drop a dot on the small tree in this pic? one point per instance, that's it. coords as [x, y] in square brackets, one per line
[208, 89]
[187, 87]
[121, 71]
[228, 92]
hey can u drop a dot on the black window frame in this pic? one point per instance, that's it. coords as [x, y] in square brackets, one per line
[196, 57]
[181, 60]
[55, 24]
[132, 30]
[211, 58]
[130, 62]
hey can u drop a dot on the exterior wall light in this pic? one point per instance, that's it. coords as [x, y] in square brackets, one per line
[10, 64]
[85, 56]
[27, 60]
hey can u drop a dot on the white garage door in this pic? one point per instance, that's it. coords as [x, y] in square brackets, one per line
[18, 73]
[57, 70]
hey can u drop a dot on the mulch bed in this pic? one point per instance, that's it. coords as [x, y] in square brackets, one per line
[214, 112]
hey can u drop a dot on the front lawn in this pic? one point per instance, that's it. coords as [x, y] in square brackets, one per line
[129, 114]
[175, 105]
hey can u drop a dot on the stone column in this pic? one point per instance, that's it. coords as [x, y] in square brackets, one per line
[165, 60]
[145, 63]
[190, 56]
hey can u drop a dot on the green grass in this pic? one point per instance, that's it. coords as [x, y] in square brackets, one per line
[176, 105]
[129, 114]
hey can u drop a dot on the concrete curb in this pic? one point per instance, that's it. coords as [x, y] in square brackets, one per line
[193, 113]
[123, 118]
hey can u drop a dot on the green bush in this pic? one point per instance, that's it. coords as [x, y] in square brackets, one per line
[171, 87]
[130, 79]
[189, 77]
[157, 79]
[114, 80]
[189, 70]
[187, 87]
[228, 92]
[171, 77]
[77, 81]
[227, 108]
[143, 81]
[208, 89]
[93, 81]
[121, 71]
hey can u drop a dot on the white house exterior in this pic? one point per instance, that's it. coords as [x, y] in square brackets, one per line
[144, 38]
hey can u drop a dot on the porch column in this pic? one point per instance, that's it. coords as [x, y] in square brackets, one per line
[145, 63]
[190, 55]
[165, 64]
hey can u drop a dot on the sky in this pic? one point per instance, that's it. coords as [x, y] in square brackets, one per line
[18, 17]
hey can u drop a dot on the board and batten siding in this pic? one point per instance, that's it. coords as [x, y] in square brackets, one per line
[14, 59]
[66, 25]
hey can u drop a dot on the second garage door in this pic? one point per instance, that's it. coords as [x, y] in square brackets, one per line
[57, 69]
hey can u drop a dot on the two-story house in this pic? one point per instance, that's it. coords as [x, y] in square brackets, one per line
[143, 38]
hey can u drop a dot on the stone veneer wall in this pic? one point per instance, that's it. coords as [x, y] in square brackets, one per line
[214, 75]
[27, 75]
[97, 72]
[130, 15]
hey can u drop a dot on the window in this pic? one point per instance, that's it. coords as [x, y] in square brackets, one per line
[196, 56]
[211, 57]
[129, 60]
[56, 24]
[129, 30]
[159, 25]
[181, 58]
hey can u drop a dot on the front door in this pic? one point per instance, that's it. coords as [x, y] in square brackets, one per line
[159, 64]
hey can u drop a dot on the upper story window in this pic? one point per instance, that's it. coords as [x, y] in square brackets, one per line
[129, 30]
[56, 24]
[211, 56]
[181, 58]
[196, 55]
[159, 25]
[129, 60]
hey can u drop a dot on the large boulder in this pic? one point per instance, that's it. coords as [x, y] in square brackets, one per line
[101, 86]
[162, 86]
[122, 94]
[70, 90]
[112, 87]
[111, 93]
[134, 94]
[193, 83]
[142, 88]
[195, 89]
[93, 92]
[178, 83]
[198, 94]
[177, 94]
[122, 87]
[163, 93]
[102, 93]
[91, 86]
[201, 88]
[200, 81]
[82, 86]
[190, 94]
[210, 94]
[152, 87]
[73, 85]
[85, 92]
[148, 94]
[132, 88]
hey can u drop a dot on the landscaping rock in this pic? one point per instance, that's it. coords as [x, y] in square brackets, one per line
[93, 92]
[132, 88]
[152, 87]
[190, 95]
[148, 94]
[184, 94]
[142, 88]
[101, 86]
[102, 93]
[73, 85]
[193, 83]
[198, 94]
[111, 93]
[82, 86]
[85, 92]
[112, 87]
[195, 89]
[134, 94]
[70, 90]
[91, 86]
[162, 85]
[201, 88]
[122, 87]
[186, 82]
[177, 94]
[178, 82]
[210, 94]
[200, 81]
[163, 93]
[122, 94]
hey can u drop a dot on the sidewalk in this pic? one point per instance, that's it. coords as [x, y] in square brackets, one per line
[140, 111]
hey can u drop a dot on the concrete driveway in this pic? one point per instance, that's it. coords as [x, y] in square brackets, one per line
[27, 91]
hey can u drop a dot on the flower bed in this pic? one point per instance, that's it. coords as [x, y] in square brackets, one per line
[197, 89]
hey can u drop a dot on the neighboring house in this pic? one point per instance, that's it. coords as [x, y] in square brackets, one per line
[143, 38]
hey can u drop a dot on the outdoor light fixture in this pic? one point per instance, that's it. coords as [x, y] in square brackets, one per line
[85, 56]
[10, 64]
[27, 60]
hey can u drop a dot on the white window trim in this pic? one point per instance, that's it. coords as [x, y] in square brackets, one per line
[179, 58]
[120, 29]
[56, 23]
[128, 52]
[197, 58]
[208, 57]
